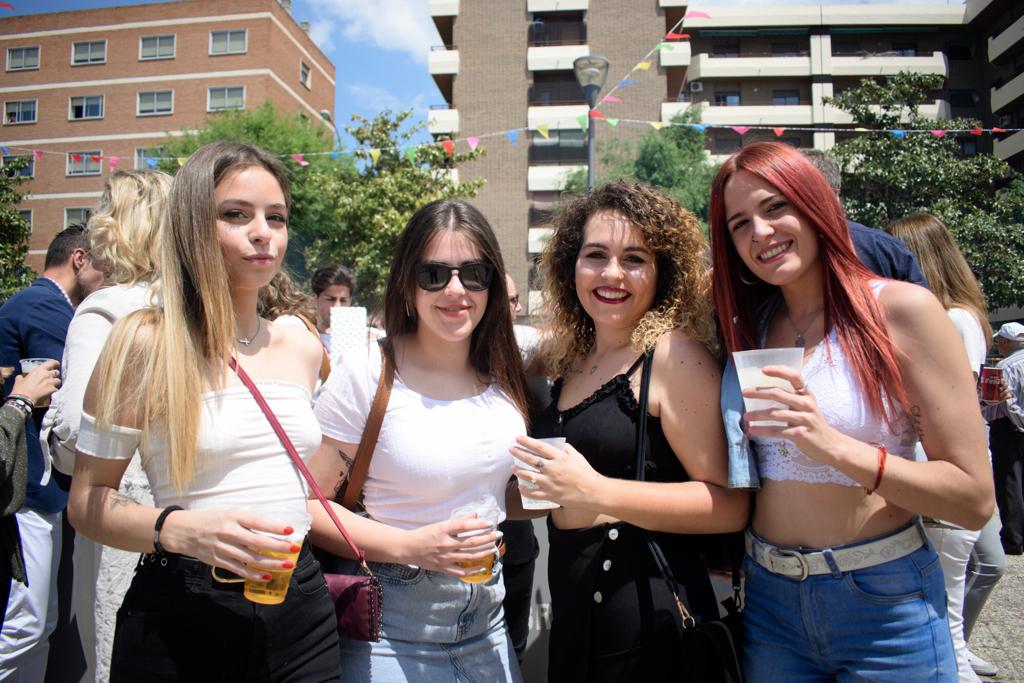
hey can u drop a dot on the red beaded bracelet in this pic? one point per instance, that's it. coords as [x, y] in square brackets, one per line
[882, 455]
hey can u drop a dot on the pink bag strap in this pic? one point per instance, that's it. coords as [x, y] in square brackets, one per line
[297, 459]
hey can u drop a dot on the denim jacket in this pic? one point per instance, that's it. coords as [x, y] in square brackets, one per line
[742, 460]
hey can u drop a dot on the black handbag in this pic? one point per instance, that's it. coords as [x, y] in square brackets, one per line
[720, 638]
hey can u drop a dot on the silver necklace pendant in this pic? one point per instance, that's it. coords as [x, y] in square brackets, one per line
[245, 341]
[800, 342]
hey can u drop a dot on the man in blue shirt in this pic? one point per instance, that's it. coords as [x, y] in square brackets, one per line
[33, 324]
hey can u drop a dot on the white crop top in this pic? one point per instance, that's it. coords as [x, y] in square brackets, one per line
[827, 373]
[432, 455]
[240, 462]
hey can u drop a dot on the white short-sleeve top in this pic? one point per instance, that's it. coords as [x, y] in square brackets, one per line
[432, 455]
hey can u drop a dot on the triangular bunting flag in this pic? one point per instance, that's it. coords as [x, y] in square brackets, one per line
[96, 157]
[643, 66]
[582, 120]
[410, 154]
[5, 150]
[696, 14]
[114, 161]
[676, 36]
[740, 129]
[374, 155]
[663, 46]
[37, 154]
[626, 81]
[699, 126]
[998, 130]
[182, 160]
[899, 133]
[778, 132]
[543, 130]
[656, 125]
[937, 133]
[861, 130]
[611, 98]
[472, 141]
[595, 114]
[612, 122]
[513, 135]
[300, 160]
[977, 130]
[76, 158]
[152, 163]
[449, 146]
[335, 154]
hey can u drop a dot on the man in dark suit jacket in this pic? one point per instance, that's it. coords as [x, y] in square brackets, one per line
[33, 324]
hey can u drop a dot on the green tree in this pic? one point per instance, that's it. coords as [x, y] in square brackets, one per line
[672, 159]
[372, 205]
[887, 176]
[14, 230]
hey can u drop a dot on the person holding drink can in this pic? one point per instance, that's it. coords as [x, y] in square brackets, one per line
[226, 493]
[458, 402]
[841, 580]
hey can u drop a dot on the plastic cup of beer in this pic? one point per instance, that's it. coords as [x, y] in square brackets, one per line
[273, 592]
[991, 381]
[27, 366]
[533, 503]
[749, 365]
[486, 508]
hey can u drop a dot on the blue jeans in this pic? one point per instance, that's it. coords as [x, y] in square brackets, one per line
[882, 623]
[435, 628]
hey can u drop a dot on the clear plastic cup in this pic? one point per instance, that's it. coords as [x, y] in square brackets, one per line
[27, 366]
[749, 366]
[486, 508]
[274, 591]
[532, 503]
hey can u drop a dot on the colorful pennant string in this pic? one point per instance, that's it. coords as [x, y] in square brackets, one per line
[513, 135]
[543, 130]
[473, 141]
[300, 159]
[643, 66]
[374, 156]
[449, 147]
[614, 123]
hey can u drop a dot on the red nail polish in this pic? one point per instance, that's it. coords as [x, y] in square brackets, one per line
[288, 530]
[267, 577]
[294, 548]
[288, 564]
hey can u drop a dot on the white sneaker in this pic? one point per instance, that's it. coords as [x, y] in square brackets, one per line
[980, 666]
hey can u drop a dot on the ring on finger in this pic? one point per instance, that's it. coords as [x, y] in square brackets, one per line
[802, 390]
[540, 463]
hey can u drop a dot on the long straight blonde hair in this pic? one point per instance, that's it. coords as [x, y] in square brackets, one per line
[158, 362]
[944, 266]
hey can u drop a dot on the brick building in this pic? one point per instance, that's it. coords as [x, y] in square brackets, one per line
[84, 86]
[508, 65]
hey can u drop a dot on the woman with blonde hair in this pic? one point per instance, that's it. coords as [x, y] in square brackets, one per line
[124, 239]
[626, 285]
[972, 561]
[223, 486]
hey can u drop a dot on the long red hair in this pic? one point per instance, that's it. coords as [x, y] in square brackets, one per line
[850, 306]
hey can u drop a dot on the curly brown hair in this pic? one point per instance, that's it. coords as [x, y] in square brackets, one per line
[682, 298]
[281, 296]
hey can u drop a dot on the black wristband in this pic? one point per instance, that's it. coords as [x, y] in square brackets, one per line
[160, 525]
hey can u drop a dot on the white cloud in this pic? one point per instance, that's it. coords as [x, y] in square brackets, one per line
[376, 98]
[401, 25]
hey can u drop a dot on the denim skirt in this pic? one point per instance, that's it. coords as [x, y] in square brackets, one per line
[435, 628]
[880, 623]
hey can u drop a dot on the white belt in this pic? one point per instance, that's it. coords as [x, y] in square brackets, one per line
[799, 564]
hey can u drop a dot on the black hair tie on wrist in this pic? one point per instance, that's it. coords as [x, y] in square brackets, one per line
[159, 549]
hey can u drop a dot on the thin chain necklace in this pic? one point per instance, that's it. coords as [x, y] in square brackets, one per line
[800, 341]
[249, 340]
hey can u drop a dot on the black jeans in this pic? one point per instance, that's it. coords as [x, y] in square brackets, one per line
[517, 574]
[1007, 446]
[177, 624]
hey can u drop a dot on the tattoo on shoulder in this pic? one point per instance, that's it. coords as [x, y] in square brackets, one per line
[118, 500]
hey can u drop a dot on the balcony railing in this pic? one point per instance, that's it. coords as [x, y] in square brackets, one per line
[540, 216]
[556, 33]
[557, 154]
[543, 94]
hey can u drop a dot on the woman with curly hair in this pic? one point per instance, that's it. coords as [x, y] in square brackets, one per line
[626, 280]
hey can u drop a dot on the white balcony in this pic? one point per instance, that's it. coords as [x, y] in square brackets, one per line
[679, 55]
[551, 57]
[556, 117]
[443, 121]
[889, 65]
[549, 178]
[444, 8]
[555, 5]
[1011, 35]
[820, 14]
[1010, 147]
[1009, 93]
[764, 115]
[673, 3]
[536, 239]
[706, 66]
[939, 109]
[443, 62]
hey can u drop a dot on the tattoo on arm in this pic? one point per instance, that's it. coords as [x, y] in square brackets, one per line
[118, 500]
[343, 475]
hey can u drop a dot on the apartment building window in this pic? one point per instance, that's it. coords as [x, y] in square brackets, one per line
[555, 87]
[76, 216]
[231, 97]
[88, 107]
[228, 42]
[845, 48]
[959, 97]
[22, 58]
[968, 146]
[557, 28]
[26, 215]
[960, 51]
[787, 49]
[88, 162]
[785, 97]
[726, 143]
[305, 75]
[156, 103]
[727, 98]
[19, 111]
[725, 49]
[560, 147]
[89, 52]
[147, 157]
[26, 171]
[904, 49]
[156, 47]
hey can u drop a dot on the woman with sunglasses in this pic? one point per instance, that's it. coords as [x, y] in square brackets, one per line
[841, 581]
[458, 403]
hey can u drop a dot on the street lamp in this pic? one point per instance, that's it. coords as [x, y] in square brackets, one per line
[325, 114]
[591, 72]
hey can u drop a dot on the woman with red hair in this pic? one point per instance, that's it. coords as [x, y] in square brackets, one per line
[840, 580]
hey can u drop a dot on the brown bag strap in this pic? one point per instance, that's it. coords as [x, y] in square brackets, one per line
[325, 362]
[368, 442]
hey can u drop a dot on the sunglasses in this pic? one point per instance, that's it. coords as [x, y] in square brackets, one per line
[475, 276]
